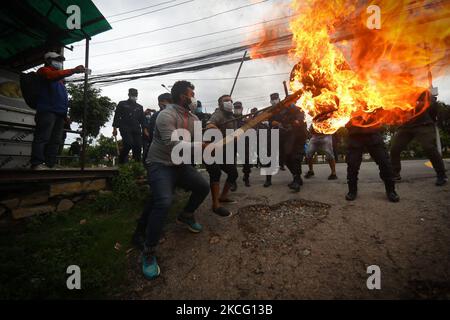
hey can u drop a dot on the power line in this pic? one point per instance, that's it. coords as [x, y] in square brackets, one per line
[186, 39]
[204, 66]
[211, 57]
[181, 24]
[231, 78]
[152, 6]
[157, 10]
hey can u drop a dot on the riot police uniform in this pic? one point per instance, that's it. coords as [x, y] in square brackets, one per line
[129, 118]
[370, 139]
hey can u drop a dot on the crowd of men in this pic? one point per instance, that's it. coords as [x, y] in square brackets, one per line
[149, 136]
[180, 109]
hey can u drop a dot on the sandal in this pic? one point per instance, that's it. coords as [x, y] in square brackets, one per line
[227, 200]
[223, 212]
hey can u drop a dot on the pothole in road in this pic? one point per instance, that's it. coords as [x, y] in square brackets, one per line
[280, 225]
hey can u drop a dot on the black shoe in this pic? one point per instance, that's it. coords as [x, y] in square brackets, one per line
[300, 182]
[393, 196]
[332, 177]
[282, 168]
[295, 186]
[223, 212]
[233, 187]
[352, 191]
[309, 174]
[351, 196]
[390, 191]
[441, 181]
[268, 182]
[397, 177]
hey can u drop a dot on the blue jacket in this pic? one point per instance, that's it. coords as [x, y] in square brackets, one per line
[53, 97]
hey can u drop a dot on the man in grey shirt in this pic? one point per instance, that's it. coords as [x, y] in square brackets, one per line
[164, 176]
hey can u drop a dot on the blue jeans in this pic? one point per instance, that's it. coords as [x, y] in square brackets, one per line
[47, 138]
[163, 180]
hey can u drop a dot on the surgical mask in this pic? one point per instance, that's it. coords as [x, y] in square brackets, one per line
[238, 112]
[193, 104]
[198, 110]
[56, 64]
[148, 116]
[228, 106]
[274, 102]
[132, 98]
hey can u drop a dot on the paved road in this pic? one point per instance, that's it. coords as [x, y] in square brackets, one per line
[315, 244]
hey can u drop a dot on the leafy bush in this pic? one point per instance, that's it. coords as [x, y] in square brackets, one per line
[125, 189]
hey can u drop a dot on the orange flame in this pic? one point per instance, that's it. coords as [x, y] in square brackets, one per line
[353, 75]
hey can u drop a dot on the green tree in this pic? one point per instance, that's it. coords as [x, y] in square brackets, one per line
[104, 149]
[443, 115]
[98, 112]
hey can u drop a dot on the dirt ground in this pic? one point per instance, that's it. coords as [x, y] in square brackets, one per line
[312, 244]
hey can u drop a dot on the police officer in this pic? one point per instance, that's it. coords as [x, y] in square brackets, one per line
[129, 118]
[247, 168]
[202, 116]
[222, 119]
[146, 138]
[290, 121]
[274, 99]
[421, 128]
[359, 139]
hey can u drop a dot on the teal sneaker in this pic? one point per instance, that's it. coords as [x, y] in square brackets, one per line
[189, 222]
[150, 267]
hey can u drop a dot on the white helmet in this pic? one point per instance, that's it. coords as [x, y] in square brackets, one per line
[53, 55]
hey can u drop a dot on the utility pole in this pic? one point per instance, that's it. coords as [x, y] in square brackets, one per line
[238, 72]
[434, 94]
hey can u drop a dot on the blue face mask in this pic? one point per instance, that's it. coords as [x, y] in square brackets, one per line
[198, 110]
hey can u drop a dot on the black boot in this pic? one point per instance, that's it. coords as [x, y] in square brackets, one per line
[390, 191]
[268, 182]
[441, 180]
[246, 180]
[233, 187]
[352, 191]
[299, 180]
[295, 185]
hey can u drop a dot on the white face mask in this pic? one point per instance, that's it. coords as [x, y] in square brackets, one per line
[228, 106]
[132, 98]
[56, 64]
[274, 102]
[238, 112]
[193, 104]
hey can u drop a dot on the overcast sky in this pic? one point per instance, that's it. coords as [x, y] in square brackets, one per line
[253, 92]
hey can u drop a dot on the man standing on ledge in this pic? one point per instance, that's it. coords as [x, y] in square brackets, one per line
[129, 118]
[51, 111]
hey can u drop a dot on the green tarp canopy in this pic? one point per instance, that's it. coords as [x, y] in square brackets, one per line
[29, 28]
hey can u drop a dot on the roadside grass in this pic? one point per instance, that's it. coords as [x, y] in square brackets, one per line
[96, 236]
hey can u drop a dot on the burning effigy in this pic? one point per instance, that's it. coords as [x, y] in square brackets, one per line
[366, 64]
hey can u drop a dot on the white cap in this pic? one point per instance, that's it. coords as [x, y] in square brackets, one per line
[53, 55]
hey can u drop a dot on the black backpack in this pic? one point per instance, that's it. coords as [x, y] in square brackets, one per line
[31, 85]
